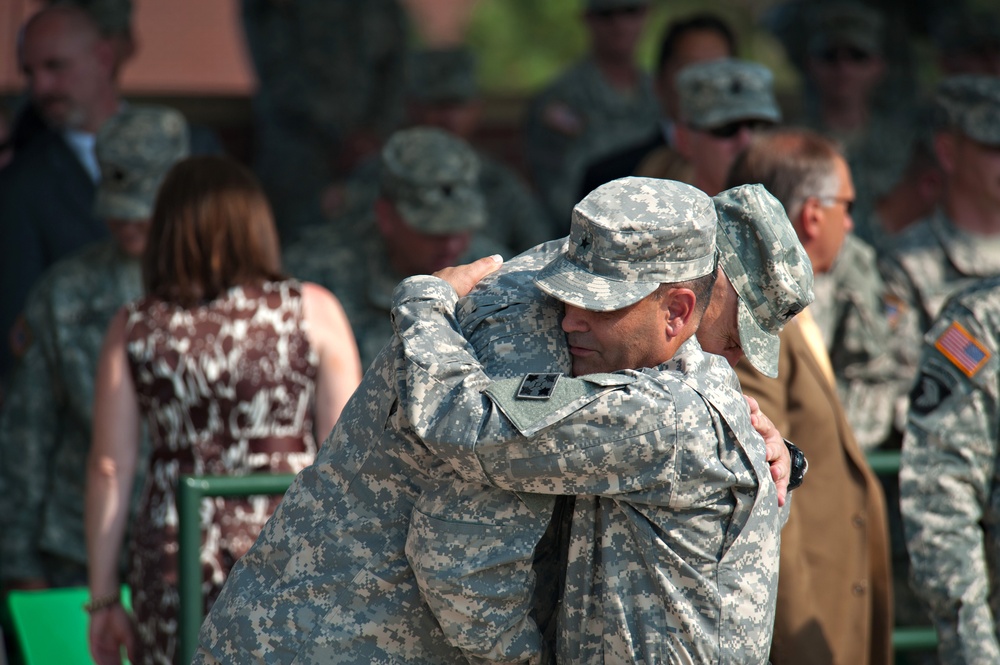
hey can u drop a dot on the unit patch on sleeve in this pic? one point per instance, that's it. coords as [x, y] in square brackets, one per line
[962, 349]
[538, 386]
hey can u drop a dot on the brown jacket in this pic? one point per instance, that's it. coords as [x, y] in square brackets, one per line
[834, 589]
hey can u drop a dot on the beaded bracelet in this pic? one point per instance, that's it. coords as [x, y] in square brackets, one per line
[102, 602]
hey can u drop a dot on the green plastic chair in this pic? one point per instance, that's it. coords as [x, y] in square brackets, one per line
[50, 625]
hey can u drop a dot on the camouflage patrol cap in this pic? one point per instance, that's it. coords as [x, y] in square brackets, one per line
[629, 236]
[971, 104]
[442, 75]
[845, 24]
[432, 177]
[761, 255]
[718, 92]
[611, 5]
[135, 149]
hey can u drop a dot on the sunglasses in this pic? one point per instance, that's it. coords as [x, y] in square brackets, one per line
[731, 129]
[845, 54]
[829, 201]
[607, 14]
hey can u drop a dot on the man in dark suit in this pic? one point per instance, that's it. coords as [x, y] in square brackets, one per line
[47, 192]
[695, 38]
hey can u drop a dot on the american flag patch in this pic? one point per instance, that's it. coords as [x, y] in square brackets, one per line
[962, 349]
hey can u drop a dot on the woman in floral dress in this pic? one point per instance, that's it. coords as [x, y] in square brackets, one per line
[234, 369]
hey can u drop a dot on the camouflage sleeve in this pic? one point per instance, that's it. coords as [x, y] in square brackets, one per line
[471, 548]
[903, 314]
[28, 438]
[541, 433]
[946, 472]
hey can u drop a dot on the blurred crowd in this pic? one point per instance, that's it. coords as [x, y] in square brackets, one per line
[167, 310]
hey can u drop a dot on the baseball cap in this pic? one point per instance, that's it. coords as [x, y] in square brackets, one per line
[846, 24]
[718, 92]
[971, 104]
[442, 75]
[432, 177]
[629, 236]
[135, 149]
[761, 255]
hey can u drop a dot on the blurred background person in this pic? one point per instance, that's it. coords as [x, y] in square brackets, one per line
[442, 92]
[947, 476]
[602, 103]
[968, 42]
[959, 243]
[695, 38]
[848, 74]
[834, 590]
[722, 104]
[429, 215]
[235, 370]
[45, 427]
[47, 191]
[330, 90]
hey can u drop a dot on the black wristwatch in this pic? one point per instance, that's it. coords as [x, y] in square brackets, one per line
[799, 465]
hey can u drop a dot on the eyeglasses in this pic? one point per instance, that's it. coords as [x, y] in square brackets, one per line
[829, 201]
[606, 14]
[731, 129]
[845, 54]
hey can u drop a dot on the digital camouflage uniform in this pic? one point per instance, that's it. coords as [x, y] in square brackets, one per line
[879, 152]
[948, 476]
[328, 579]
[45, 423]
[45, 426]
[849, 312]
[430, 176]
[576, 119]
[327, 71]
[624, 600]
[934, 259]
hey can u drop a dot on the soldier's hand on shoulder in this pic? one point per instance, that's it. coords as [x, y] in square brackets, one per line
[463, 278]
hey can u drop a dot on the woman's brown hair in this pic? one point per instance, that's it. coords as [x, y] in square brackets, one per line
[211, 230]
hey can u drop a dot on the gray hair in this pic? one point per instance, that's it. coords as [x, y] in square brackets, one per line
[792, 164]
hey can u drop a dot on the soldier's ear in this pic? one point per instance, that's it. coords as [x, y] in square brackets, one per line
[810, 220]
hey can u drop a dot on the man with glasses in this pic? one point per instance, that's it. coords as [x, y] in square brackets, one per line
[842, 613]
[722, 103]
[602, 103]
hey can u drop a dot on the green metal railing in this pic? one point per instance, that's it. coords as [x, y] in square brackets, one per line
[192, 489]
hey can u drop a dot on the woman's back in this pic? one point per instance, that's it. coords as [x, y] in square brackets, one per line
[221, 383]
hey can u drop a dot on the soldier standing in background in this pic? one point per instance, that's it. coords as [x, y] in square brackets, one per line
[442, 92]
[959, 243]
[428, 215]
[46, 423]
[331, 77]
[947, 477]
[602, 103]
[722, 103]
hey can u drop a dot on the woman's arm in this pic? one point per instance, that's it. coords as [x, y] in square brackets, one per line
[330, 334]
[110, 473]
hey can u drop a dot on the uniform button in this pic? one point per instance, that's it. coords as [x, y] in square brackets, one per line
[859, 588]
[858, 521]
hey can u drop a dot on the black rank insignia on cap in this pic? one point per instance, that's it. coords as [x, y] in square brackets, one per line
[538, 386]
